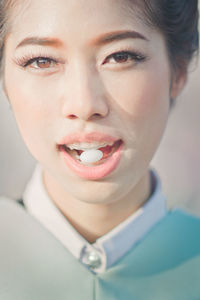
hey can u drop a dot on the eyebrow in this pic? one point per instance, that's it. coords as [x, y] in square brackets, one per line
[102, 40]
[44, 41]
[117, 36]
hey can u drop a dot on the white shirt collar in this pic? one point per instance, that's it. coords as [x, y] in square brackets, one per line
[110, 247]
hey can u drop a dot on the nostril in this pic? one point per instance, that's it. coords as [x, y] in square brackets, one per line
[95, 116]
[72, 117]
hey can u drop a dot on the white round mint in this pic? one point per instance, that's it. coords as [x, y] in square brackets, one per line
[91, 156]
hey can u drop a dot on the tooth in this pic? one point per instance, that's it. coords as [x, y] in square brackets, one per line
[85, 146]
[71, 147]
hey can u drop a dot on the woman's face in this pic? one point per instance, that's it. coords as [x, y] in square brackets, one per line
[63, 77]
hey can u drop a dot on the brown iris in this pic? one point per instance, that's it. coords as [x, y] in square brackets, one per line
[43, 63]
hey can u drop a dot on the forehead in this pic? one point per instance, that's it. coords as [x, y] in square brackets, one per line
[80, 18]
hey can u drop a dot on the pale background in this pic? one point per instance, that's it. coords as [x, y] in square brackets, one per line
[177, 159]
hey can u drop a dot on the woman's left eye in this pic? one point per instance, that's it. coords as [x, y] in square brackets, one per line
[124, 57]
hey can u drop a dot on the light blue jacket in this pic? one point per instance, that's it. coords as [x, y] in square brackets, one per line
[165, 265]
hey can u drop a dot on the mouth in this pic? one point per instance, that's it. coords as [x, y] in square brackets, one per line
[75, 150]
[109, 147]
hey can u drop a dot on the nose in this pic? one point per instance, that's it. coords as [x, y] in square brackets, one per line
[84, 96]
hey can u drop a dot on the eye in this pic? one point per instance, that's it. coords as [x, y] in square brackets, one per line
[40, 63]
[124, 57]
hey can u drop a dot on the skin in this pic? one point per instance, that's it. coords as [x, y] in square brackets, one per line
[84, 92]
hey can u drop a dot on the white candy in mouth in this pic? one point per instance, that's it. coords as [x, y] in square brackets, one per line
[91, 156]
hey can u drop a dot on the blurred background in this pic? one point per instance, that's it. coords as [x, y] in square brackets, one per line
[177, 160]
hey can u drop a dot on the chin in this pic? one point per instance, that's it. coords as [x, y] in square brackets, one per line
[95, 192]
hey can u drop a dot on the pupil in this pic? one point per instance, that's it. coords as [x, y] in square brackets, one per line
[121, 57]
[43, 63]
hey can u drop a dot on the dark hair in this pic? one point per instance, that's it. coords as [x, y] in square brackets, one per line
[176, 19]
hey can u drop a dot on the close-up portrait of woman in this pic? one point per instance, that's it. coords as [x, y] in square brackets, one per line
[91, 85]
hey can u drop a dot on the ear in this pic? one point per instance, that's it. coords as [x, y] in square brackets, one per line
[179, 79]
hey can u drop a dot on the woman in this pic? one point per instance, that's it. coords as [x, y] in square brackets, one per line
[91, 84]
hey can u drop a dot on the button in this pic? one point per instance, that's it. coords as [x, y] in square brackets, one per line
[93, 259]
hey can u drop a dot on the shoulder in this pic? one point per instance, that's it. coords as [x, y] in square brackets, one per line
[180, 219]
[10, 209]
[178, 229]
[8, 203]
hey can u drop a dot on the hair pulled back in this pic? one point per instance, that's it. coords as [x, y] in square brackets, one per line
[177, 20]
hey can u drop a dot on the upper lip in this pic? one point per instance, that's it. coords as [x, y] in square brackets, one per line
[88, 138]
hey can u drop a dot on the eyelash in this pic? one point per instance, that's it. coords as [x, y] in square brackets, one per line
[135, 55]
[25, 61]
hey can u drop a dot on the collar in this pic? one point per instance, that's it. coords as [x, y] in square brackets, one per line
[107, 249]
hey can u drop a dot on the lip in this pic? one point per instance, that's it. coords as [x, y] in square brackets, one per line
[88, 138]
[92, 172]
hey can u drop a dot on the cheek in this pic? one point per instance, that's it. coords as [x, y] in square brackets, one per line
[34, 110]
[142, 103]
[30, 97]
[140, 94]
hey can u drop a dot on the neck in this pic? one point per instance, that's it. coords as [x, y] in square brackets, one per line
[95, 220]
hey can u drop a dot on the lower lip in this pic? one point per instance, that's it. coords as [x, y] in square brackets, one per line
[94, 172]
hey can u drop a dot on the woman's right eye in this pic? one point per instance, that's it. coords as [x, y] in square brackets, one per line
[40, 63]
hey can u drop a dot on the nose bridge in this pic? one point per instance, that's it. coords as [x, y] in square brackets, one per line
[85, 93]
[87, 80]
